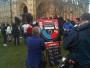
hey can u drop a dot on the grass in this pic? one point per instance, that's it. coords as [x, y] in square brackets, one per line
[14, 56]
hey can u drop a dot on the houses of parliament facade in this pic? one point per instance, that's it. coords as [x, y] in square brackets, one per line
[42, 8]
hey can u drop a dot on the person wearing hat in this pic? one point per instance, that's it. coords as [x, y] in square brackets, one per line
[35, 46]
[77, 42]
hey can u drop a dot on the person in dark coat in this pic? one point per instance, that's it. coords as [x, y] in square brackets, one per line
[35, 46]
[60, 25]
[78, 42]
[15, 33]
[4, 35]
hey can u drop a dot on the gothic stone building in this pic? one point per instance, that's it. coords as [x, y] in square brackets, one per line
[42, 8]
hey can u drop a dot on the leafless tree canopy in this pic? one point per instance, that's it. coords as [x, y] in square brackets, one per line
[62, 7]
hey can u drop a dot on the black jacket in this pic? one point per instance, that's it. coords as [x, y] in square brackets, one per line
[15, 30]
[78, 43]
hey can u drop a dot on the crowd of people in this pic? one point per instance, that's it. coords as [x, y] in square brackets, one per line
[12, 32]
[76, 39]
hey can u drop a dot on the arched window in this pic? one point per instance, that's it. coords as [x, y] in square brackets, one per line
[25, 9]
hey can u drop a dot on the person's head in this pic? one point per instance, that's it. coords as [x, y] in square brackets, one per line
[35, 23]
[85, 17]
[3, 25]
[77, 21]
[68, 20]
[8, 25]
[60, 19]
[35, 31]
[13, 24]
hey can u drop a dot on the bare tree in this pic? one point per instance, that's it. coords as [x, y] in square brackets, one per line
[61, 7]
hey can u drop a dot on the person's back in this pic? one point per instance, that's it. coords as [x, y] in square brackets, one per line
[4, 36]
[35, 46]
[16, 34]
[15, 30]
[78, 43]
[25, 26]
[81, 51]
[83, 47]
[29, 31]
[3, 29]
[8, 30]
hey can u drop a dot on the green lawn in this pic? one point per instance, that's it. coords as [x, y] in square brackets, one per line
[13, 56]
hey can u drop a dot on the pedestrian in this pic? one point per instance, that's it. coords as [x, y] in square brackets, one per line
[25, 26]
[3, 32]
[77, 22]
[61, 21]
[61, 30]
[77, 42]
[67, 26]
[36, 25]
[35, 46]
[16, 34]
[29, 31]
[8, 32]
